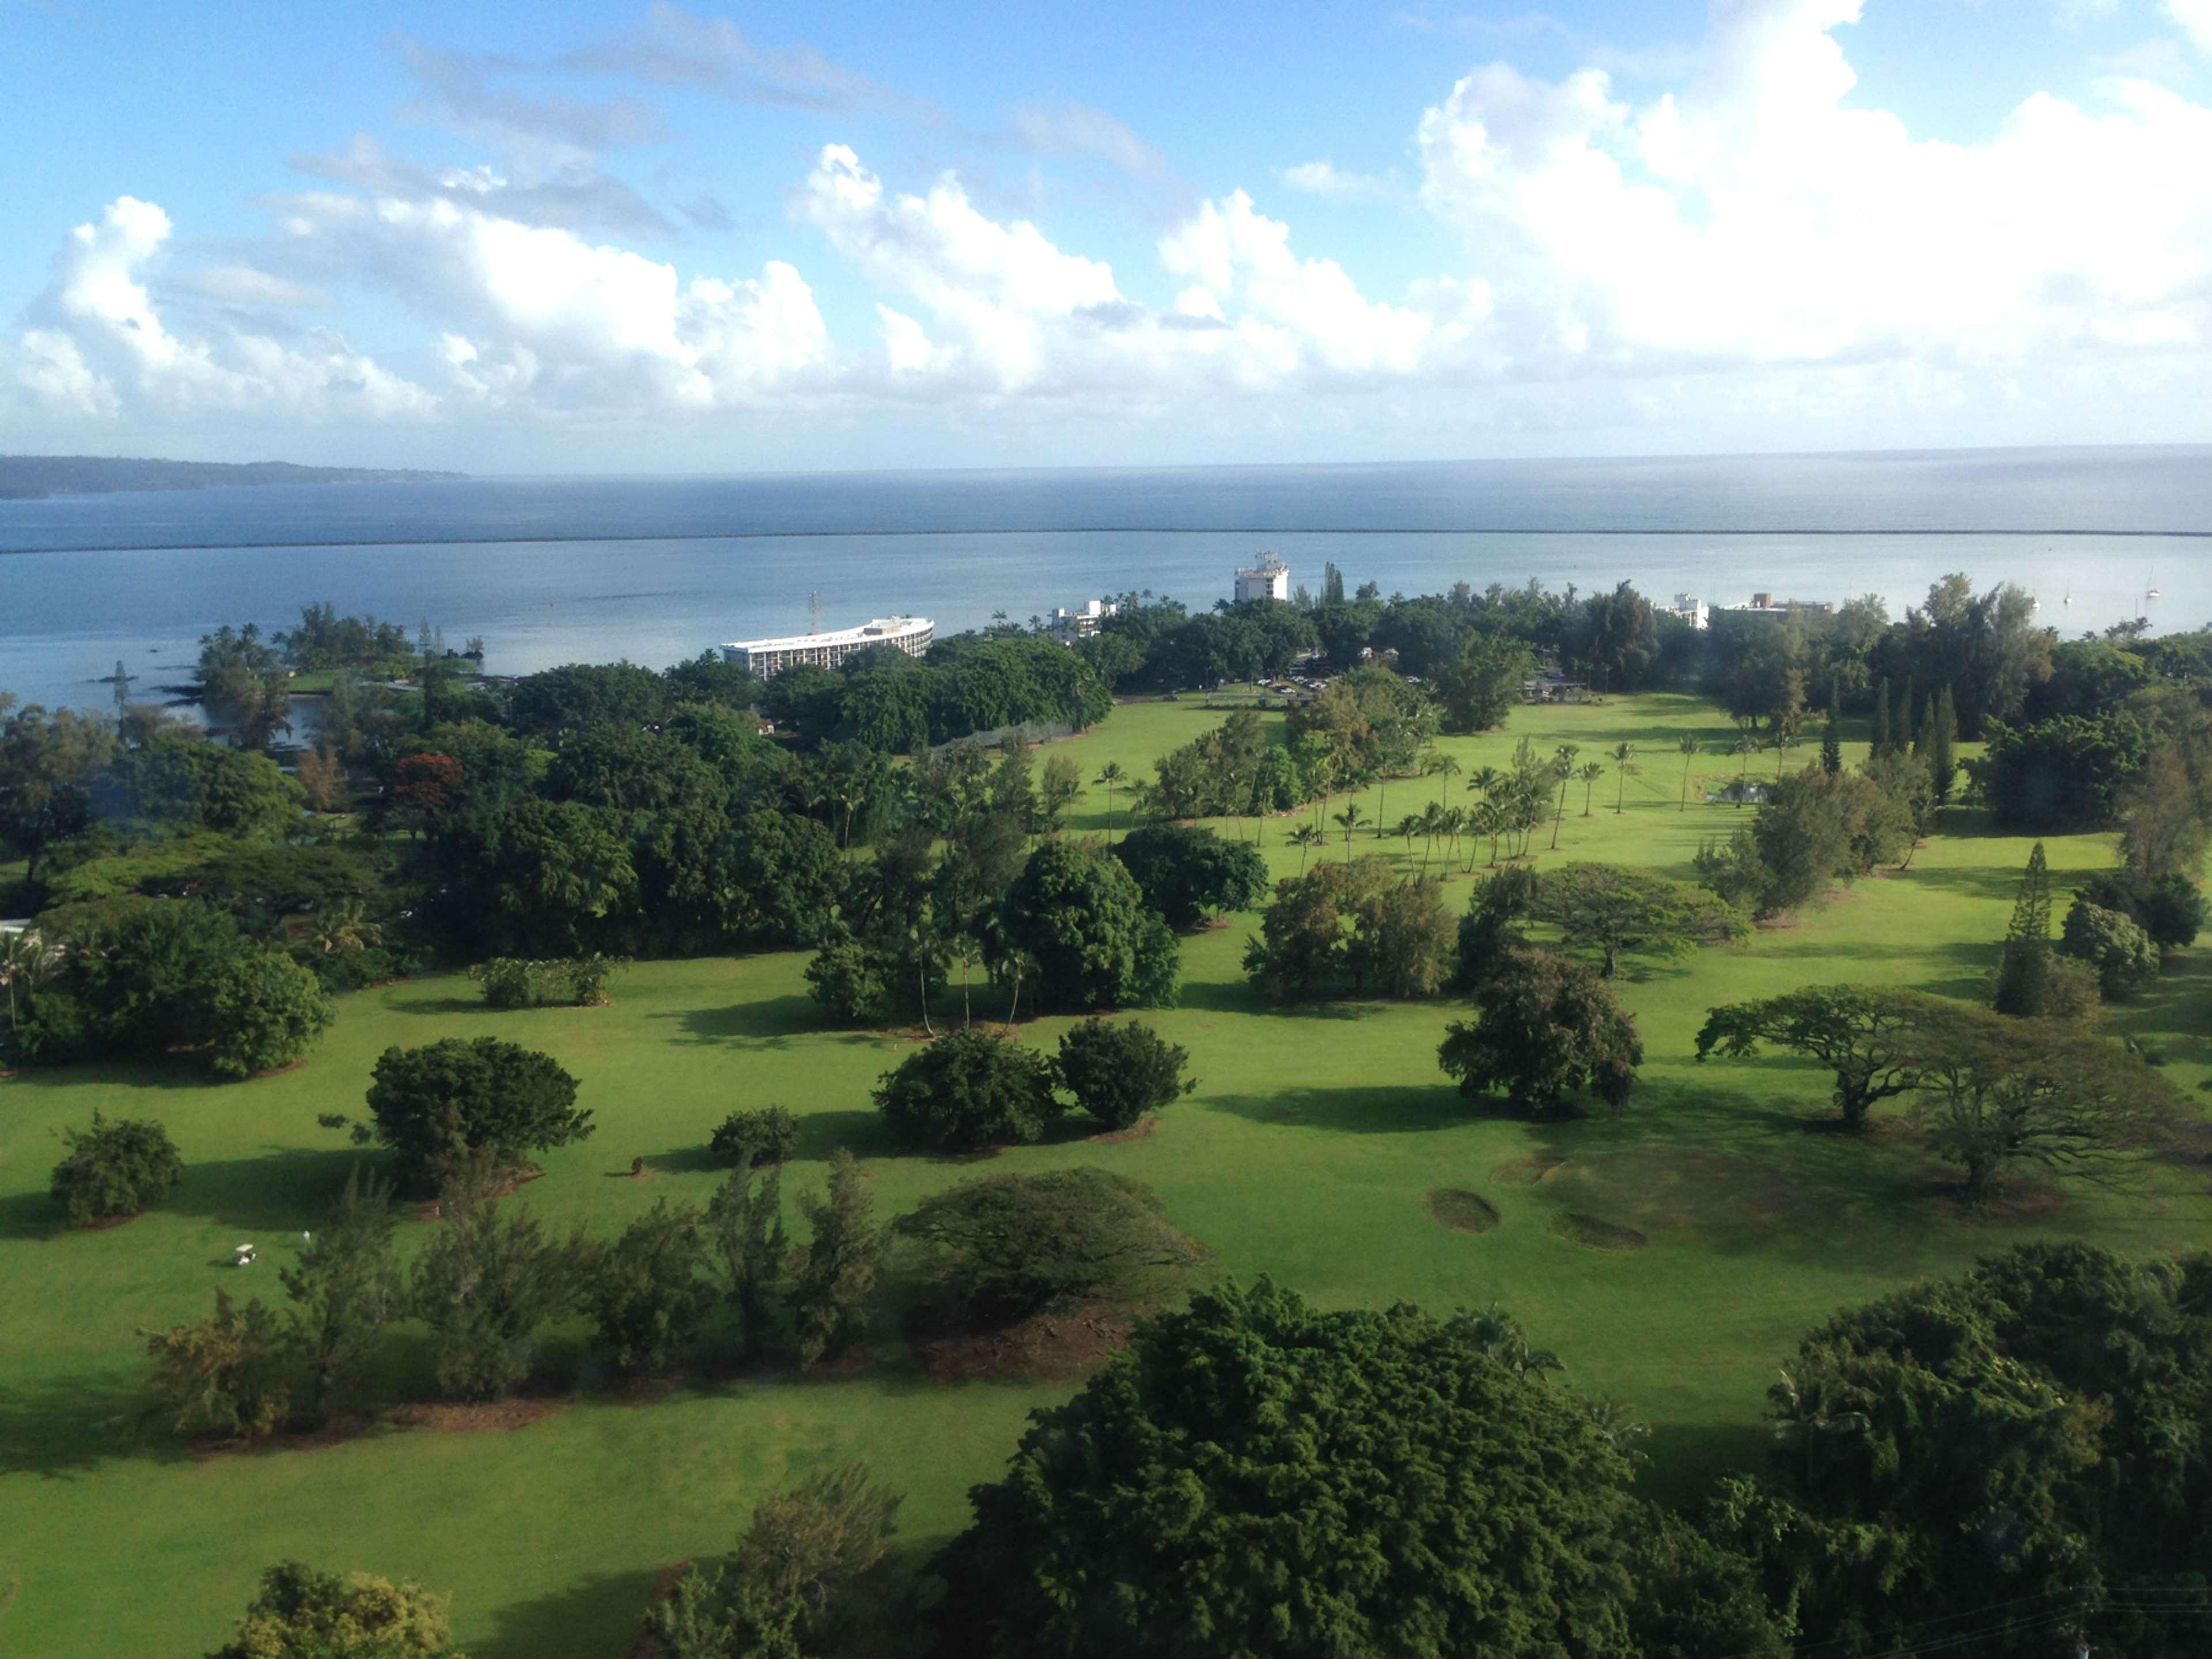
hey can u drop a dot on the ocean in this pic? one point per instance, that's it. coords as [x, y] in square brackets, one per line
[554, 570]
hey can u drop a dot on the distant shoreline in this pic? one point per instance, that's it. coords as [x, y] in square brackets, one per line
[559, 536]
[42, 477]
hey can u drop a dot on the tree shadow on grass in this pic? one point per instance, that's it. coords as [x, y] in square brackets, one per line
[63, 1425]
[285, 1189]
[771, 1023]
[1362, 1111]
[860, 1133]
[599, 1615]
[438, 1004]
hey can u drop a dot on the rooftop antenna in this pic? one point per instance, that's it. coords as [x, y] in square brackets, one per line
[814, 613]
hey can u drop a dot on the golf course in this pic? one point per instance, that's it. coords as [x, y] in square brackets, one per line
[1672, 1255]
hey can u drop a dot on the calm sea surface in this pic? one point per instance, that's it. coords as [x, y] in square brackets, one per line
[552, 570]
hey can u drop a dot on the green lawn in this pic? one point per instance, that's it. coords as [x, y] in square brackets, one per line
[1307, 1153]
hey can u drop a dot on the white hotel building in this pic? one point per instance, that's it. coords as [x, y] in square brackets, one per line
[768, 658]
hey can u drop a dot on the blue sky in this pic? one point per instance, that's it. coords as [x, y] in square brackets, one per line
[646, 237]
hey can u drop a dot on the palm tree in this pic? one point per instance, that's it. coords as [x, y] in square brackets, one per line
[1306, 838]
[1351, 818]
[1563, 768]
[1746, 746]
[1408, 827]
[1485, 781]
[966, 950]
[1624, 759]
[1591, 773]
[1112, 777]
[346, 928]
[25, 960]
[1446, 768]
[1488, 819]
[1688, 746]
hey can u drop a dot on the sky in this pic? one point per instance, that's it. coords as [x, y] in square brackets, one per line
[588, 237]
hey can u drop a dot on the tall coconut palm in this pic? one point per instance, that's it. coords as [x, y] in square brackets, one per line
[1349, 820]
[1111, 777]
[1446, 768]
[1406, 828]
[1591, 773]
[1306, 838]
[1687, 746]
[1746, 746]
[1563, 768]
[1624, 762]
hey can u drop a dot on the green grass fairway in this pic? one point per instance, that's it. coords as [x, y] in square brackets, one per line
[1313, 1149]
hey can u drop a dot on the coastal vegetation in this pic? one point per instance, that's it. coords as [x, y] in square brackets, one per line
[701, 1272]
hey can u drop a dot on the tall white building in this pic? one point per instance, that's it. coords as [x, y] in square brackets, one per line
[1270, 579]
[1069, 626]
[767, 657]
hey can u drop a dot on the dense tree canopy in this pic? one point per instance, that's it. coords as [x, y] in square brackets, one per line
[1255, 1476]
[1119, 1070]
[301, 1614]
[1081, 917]
[1185, 870]
[1869, 1036]
[1546, 1026]
[969, 1090]
[436, 1103]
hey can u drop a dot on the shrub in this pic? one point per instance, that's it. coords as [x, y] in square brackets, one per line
[1118, 1073]
[749, 1139]
[587, 976]
[1006, 1246]
[301, 1614]
[853, 981]
[644, 1289]
[435, 1104]
[115, 1170]
[225, 1373]
[508, 982]
[807, 1578]
[266, 1011]
[836, 1282]
[484, 1284]
[969, 1090]
[2124, 958]
[2170, 909]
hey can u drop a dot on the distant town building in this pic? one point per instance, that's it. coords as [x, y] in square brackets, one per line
[769, 658]
[1069, 626]
[1765, 604]
[1692, 609]
[1270, 579]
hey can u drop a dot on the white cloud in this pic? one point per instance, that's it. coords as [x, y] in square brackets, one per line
[2195, 17]
[1325, 178]
[97, 345]
[1760, 217]
[1067, 129]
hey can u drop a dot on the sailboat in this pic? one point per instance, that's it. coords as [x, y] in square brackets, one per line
[2150, 588]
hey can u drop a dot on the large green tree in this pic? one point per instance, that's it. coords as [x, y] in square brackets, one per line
[1257, 1477]
[969, 1090]
[1120, 1070]
[301, 1614]
[1186, 870]
[1613, 910]
[1081, 917]
[436, 1104]
[1869, 1036]
[1546, 1027]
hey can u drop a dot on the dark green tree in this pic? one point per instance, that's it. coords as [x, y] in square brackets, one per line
[1869, 1036]
[2023, 976]
[2122, 953]
[1615, 910]
[834, 1288]
[810, 1577]
[1119, 1071]
[1546, 1027]
[344, 1289]
[486, 1282]
[749, 1139]
[1080, 915]
[1940, 747]
[1881, 736]
[1006, 1246]
[1295, 1529]
[1186, 870]
[114, 1170]
[265, 1012]
[1964, 1460]
[644, 1291]
[969, 1090]
[746, 1242]
[1832, 741]
[436, 1104]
